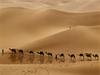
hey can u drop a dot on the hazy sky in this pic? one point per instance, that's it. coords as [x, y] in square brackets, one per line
[66, 5]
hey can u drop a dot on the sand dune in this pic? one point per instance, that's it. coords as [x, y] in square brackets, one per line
[49, 16]
[20, 26]
[47, 29]
[77, 38]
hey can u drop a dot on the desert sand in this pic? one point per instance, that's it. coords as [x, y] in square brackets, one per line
[61, 69]
[23, 26]
[51, 30]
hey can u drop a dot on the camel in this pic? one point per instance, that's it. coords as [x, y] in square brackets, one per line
[89, 58]
[2, 51]
[49, 54]
[13, 51]
[31, 56]
[31, 52]
[96, 56]
[20, 51]
[81, 55]
[50, 57]
[41, 58]
[61, 57]
[41, 53]
[72, 56]
[21, 55]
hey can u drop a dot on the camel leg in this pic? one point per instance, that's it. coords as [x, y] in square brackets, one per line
[73, 59]
[2, 52]
[41, 59]
[21, 58]
[50, 59]
[89, 58]
[62, 59]
[81, 58]
[96, 58]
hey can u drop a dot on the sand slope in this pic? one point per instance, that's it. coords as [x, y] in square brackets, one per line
[76, 38]
[20, 26]
[48, 16]
[47, 29]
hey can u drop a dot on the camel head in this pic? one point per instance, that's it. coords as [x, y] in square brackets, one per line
[95, 55]
[46, 52]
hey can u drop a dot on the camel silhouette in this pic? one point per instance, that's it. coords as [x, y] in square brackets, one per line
[60, 57]
[41, 58]
[13, 51]
[20, 51]
[96, 56]
[88, 55]
[49, 54]
[20, 55]
[72, 56]
[50, 57]
[41, 53]
[31, 52]
[82, 55]
[2, 52]
[31, 56]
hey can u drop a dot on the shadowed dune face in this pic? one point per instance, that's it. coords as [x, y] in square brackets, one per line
[20, 26]
[79, 37]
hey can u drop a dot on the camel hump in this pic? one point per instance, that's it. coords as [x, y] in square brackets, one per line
[31, 52]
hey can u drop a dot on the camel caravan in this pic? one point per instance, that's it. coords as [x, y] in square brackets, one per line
[19, 54]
